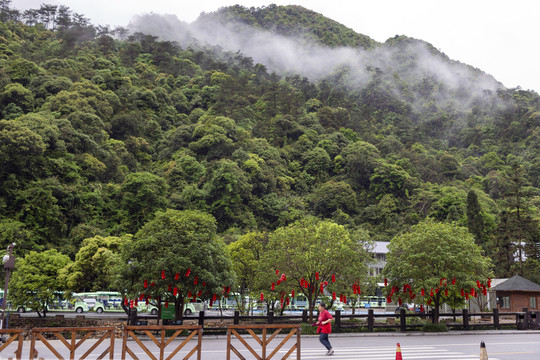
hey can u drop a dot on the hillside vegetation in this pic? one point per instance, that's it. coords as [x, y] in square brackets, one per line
[101, 129]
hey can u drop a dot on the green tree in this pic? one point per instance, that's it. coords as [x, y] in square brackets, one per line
[428, 258]
[246, 252]
[307, 247]
[91, 270]
[174, 257]
[475, 220]
[35, 282]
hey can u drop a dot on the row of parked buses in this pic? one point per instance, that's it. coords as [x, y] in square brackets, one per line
[110, 301]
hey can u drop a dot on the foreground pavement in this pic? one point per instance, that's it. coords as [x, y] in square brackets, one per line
[501, 345]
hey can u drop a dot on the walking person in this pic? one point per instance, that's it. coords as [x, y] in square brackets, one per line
[324, 327]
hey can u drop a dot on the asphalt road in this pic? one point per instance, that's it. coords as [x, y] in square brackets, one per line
[500, 346]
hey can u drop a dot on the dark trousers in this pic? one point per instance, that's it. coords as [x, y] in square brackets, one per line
[323, 338]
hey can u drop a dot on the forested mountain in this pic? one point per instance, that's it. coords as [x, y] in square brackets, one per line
[259, 117]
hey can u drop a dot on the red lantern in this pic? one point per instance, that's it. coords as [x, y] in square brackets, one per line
[277, 272]
[125, 301]
[344, 299]
[454, 280]
[333, 278]
[400, 302]
[462, 293]
[214, 297]
[175, 291]
[478, 284]
[325, 283]
[189, 294]
[445, 292]
[196, 280]
[334, 296]
[429, 302]
[199, 293]
[141, 296]
[385, 282]
[163, 275]
[423, 292]
[273, 286]
[188, 272]
[166, 304]
[287, 301]
[431, 293]
[278, 282]
[176, 276]
[322, 288]
[489, 283]
[316, 276]
[421, 308]
[467, 296]
[262, 297]
[147, 302]
[228, 289]
[169, 288]
[413, 296]
[136, 302]
[292, 293]
[145, 284]
[152, 284]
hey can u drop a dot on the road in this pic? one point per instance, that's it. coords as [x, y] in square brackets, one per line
[510, 346]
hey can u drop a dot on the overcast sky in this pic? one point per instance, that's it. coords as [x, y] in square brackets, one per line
[500, 37]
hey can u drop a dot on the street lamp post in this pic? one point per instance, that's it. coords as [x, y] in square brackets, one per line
[9, 263]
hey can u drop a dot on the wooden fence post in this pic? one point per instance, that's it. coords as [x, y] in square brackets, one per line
[236, 319]
[304, 316]
[402, 320]
[201, 318]
[370, 320]
[465, 319]
[338, 319]
[496, 319]
[270, 317]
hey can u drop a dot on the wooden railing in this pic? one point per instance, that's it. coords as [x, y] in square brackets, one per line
[263, 341]
[162, 343]
[72, 343]
[9, 337]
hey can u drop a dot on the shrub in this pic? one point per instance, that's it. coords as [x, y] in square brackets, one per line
[435, 328]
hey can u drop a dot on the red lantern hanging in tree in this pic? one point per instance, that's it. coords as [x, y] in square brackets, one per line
[333, 296]
[462, 292]
[316, 275]
[292, 293]
[176, 276]
[400, 302]
[322, 288]
[163, 275]
[385, 282]
[196, 280]
[277, 272]
[454, 280]
[175, 291]
[166, 304]
[423, 292]
[145, 283]
[188, 272]
[273, 286]
[333, 278]
[262, 297]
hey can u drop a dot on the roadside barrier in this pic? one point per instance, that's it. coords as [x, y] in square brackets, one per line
[72, 343]
[483, 351]
[263, 341]
[9, 336]
[162, 342]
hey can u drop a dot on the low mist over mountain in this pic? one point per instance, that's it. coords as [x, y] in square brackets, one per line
[294, 40]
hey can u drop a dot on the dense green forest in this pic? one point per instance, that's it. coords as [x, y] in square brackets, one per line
[100, 129]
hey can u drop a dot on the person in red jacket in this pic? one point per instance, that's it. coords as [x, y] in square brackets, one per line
[324, 327]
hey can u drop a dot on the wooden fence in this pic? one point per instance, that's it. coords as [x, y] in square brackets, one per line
[372, 321]
[72, 343]
[263, 341]
[163, 342]
[9, 336]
